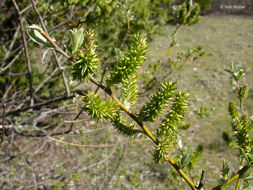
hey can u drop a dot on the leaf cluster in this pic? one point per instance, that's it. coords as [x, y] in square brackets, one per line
[158, 102]
[100, 110]
[167, 132]
[186, 13]
[84, 54]
[126, 66]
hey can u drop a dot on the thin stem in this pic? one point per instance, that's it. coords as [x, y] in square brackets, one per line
[173, 42]
[234, 177]
[182, 174]
[3, 123]
[54, 53]
[97, 146]
[21, 19]
[238, 180]
[57, 48]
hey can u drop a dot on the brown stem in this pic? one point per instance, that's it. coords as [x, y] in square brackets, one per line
[21, 19]
[3, 123]
[55, 56]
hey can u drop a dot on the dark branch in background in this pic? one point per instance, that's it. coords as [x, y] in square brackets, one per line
[64, 23]
[21, 19]
[202, 180]
[55, 56]
[15, 112]
[3, 123]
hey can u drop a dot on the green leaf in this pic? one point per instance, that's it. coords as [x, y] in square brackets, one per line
[226, 138]
[34, 32]
[184, 126]
[225, 170]
[195, 156]
[77, 37]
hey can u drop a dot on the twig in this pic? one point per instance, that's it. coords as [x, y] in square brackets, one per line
[202, 180]
[34, 177]
[19, 154]
[173, 42]
[54, 53]
[12, 61]
[14, 112]
[62, 24]
[3, 123]
[26, 52]
[117, 167]
[238, 180]
[46, 80]
[100, 162]
[97, 146]
[128, 27]
[12, 43]
[101, 186]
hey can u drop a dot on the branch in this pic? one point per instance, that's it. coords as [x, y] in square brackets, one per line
[14, 112]
[132, 115]
[172, 44]
[55, 56]
[233, 178]
[26, 52]
[3, 123]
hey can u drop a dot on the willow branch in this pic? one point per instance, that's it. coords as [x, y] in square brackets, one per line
[234, 177]
[127, 111]
[173, 42]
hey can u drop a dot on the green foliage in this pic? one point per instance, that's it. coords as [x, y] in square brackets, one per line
[186, 13]
[167, 132]
[158, 102]
[236, 73]
[241, 127]
[100, 109]
[195, 157]
[202, 112]
[77, 38]
[123, 127]
[184, 126]
[243, 93]
[204, 4]
[190, 157]
[233, 110]
[225, 171]
[127, 64]
[3, 51]
[192, 54]
[87, 61]
[34, 32]
[241, 124]
[129, 90]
